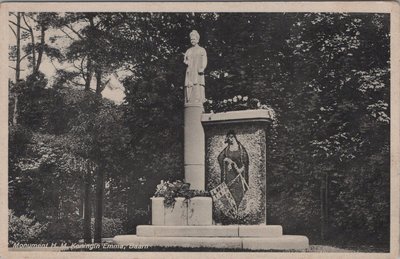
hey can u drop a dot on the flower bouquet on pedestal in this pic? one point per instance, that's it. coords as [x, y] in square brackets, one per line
[175, 204]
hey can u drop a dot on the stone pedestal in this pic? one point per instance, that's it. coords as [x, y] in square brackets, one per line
[194, 146]
[239, 195]
[200, 211]
[196, 211]
[157, 211]
[176, 215]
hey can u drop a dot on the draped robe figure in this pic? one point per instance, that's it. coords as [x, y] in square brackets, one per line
[196, 60]
[234, 164]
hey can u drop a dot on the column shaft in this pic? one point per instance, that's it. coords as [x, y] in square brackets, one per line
[194, 146]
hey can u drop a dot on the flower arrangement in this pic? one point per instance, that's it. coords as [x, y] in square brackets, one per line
[236, 103]
[169, 191]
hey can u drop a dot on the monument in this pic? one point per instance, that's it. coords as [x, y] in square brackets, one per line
[225, 154]
[196, 60]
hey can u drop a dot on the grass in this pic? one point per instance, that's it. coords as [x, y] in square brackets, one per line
[311, 249]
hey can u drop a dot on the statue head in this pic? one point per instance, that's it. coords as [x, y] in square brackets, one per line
[194, 37]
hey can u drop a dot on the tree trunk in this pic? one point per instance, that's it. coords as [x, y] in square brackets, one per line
[327, 229]
[15, 110]
[87, 211]
[18, 65]
[130, 204]
[89, 64]
[88, 78]
[98, 82]
[99, 204]
[17, 70]
[82, 197]
[33, 44]
[41, 49]
[324, 205]
[33, 49]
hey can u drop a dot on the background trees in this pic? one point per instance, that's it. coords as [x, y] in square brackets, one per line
[325, 74]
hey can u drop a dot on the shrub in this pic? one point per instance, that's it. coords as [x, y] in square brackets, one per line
[64, 230]
[112, 227]
[23, 229]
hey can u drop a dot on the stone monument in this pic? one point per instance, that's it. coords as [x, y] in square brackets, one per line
[196, 60]
[224, 153]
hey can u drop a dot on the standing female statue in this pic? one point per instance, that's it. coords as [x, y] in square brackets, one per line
[196, 61]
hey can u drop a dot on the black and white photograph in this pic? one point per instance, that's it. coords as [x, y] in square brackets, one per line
[236, 129]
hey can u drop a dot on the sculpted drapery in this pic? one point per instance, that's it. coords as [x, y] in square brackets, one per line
[196, 60]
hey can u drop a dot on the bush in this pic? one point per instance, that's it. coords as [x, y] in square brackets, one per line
[64, 230]
[23, 229]
[18, 138]
[112, 227]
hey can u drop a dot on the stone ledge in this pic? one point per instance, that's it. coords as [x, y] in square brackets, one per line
[260, 230]
[210, 231]
[237, 116]
[250, 243]
[219, 242]
[285, 242]
[187, 231]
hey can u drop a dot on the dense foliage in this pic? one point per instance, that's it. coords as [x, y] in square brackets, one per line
[325, 75]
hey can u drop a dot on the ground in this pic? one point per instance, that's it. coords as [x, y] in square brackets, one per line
[311, 249]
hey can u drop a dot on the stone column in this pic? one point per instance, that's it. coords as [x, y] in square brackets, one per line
[196, 60]
[194, 146]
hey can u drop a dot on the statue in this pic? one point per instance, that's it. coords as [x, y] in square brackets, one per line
[196, 60]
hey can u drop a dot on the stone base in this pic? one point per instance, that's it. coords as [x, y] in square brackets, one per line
[188, 242]
[250, 237]
[210, 231]
[285, 242]
[196, 211]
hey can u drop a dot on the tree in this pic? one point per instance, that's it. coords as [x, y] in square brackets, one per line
[29, 23]
[41, 22]
[90, 48]
[91, 51]
[339, 61]
[18, 59]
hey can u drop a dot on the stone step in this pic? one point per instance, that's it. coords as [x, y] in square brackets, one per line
[210, 231]
[260, 230]
[284, 242]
